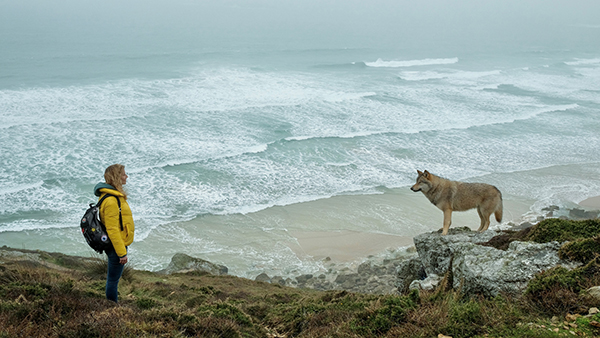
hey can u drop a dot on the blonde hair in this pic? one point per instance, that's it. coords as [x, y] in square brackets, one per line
[112, 176]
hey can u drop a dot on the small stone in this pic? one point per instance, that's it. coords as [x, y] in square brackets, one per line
[571, 318]
[304, 278]
[278, 280]
[594, 292]
[582, 214]
[21, 299]
[593, 311]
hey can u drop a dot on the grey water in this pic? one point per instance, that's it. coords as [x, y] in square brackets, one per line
[229, 116]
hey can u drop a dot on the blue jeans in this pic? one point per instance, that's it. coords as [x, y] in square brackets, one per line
[115, 270]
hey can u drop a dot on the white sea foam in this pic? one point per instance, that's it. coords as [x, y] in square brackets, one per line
[411, 63]
[580, 62]
[33, 225]
[447, 74]
[8, 189]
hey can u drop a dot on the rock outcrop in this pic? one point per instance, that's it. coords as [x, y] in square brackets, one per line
[474, 268]
[182, 263]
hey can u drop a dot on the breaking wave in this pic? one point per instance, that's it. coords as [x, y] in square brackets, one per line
[411, 63]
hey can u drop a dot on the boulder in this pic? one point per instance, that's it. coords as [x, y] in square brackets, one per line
[409, 271]
[582, 214]
[182, 263]
[304, 278]
[436, 251]
[263, 277]
[488, 271]
[278, 280]
[474, 268]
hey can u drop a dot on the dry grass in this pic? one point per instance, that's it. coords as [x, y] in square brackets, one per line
[36, 301]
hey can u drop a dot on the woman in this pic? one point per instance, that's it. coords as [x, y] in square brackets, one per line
[121, 237]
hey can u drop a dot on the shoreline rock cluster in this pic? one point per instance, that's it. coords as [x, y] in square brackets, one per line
[368, 277]
[514, 267]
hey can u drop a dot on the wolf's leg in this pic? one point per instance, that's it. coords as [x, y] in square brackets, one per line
[487, 224]
[482, 224]
[485, 219]
[447, 221]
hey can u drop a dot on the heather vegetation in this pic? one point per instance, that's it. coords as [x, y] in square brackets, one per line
[63, 297]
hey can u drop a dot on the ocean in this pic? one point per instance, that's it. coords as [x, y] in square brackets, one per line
[237, 134]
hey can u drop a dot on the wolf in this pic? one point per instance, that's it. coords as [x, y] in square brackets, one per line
[451, 196]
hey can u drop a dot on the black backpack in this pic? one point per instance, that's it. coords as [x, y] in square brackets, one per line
[94, 230]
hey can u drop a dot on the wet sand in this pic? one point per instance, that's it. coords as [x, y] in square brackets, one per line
[592, 202]
[345, 246]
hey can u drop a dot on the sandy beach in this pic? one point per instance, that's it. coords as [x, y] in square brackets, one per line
[345, 246]
[592, 202]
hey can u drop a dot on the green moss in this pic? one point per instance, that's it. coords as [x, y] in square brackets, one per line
[580, 250]
[554, 229]
[558, 290]
[557, 277]
[584, 324]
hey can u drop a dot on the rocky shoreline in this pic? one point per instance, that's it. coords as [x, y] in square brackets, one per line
[381, 277]
[373, 276]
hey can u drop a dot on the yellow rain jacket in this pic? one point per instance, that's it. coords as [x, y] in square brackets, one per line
[109, 214]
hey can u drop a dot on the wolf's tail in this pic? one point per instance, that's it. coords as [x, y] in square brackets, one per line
[499, 207]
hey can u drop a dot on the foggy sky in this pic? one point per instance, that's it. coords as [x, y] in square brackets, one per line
[349, 23]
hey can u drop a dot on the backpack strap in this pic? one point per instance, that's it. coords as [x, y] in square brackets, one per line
[118, 202]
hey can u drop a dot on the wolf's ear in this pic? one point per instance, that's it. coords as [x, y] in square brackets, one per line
[419, 172]
[426, 173]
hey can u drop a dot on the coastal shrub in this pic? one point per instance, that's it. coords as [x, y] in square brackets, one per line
[557, 290]
[379, 320]
[28, 292]
[225, 310]
[465, 318]
[554, 229]
[194, 301]
[581, 250]
[96, 269]
[556, 277]
[38, 302]
[145, 303]
[297, 316]
[220, 328]
[258, 311]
